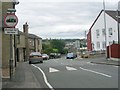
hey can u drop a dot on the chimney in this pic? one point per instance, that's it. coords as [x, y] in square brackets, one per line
[25, 28]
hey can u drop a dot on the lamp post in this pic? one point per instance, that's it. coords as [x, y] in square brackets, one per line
[105, 27]
[118, 20]
[118, 26]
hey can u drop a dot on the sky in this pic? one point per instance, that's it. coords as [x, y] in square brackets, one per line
[60, 19]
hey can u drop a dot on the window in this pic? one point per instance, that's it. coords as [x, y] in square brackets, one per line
[98, 45]
[110, 43]
[103, 44]
[18, 39]
[110, 31]
[103, 32]
[97, 33]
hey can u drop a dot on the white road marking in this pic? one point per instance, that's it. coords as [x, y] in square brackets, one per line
[70, 68]
[90, 63]
[53, 70]
[95, 72]
[116, 66]
[44, 76]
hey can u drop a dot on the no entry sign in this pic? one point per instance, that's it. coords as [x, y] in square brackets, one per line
[10, 20]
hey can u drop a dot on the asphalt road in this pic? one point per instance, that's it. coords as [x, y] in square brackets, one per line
[72, 73]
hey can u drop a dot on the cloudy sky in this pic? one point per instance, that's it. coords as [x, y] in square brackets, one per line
[60, 18]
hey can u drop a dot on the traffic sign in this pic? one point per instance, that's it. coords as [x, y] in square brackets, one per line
[11, 30]
[10, 20]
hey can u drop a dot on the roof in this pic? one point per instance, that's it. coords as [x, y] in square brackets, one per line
[30, 35]
[34, 36]
[113, 14]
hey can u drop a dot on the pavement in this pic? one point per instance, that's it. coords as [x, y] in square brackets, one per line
[101, 59]
[23, 78]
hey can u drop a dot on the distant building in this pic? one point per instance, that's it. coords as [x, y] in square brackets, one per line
[77, 44]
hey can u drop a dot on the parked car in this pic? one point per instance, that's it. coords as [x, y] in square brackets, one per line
[53, 55]
[71, 56]
[45, 56]
[85, 54]
[58, 55]
[35, 57]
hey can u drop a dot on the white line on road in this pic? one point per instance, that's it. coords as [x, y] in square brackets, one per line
[116, 66]
[95, 72]
[53, 70]
[90, 63]
[70, 68]
[44, 76]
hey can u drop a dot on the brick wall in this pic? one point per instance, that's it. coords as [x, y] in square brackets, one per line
[115, 51]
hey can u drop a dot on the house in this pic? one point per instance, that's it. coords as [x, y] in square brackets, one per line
[35, 43]
[20, 47]
[27, 43]
[101, 39]
[98, 38]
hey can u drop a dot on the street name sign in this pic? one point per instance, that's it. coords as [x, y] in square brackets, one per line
[10, 20]
[11, 30]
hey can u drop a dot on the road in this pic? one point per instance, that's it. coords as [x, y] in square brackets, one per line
[72, 73]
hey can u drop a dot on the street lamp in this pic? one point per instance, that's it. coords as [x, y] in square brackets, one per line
[118, 17]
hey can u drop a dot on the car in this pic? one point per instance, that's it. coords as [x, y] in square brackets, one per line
[45, 56]
[53, 55]
[85, 54]
[35, 57]
[70, 56]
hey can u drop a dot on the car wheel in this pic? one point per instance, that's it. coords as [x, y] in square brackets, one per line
[41, 61]
[29, 62]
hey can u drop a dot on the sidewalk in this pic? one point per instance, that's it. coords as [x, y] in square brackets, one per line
[23, 78]
[106, 61]
[101, 59]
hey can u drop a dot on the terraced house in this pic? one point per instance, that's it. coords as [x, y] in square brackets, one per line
[27, 43]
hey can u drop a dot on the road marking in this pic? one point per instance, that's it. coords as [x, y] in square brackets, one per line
[90, 63]
[70, 68]
[95, 72]
[53, 70]
[44, 76]
[116, 66]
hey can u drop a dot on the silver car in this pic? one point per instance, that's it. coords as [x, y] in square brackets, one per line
[35, 57]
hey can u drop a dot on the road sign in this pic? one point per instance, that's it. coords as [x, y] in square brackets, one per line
[11, 30]
[10, 20]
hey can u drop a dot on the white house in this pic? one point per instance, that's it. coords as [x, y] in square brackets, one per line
[99, 37]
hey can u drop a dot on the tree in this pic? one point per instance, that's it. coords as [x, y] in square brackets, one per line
[58, 44]
[54, 46]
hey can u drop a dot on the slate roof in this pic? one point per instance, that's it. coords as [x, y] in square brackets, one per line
[113, 14]
[34, 36]
[30, 35]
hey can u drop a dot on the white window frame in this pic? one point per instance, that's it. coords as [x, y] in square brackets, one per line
[97, 33]
[98, 45]
[110, 31]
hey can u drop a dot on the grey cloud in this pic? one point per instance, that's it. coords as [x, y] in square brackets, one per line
[46, 16]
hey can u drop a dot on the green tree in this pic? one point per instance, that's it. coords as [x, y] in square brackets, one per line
[58, 44]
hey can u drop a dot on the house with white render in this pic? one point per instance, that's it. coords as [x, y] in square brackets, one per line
[98, 38]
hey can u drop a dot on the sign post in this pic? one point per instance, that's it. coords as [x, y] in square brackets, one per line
[10, 21]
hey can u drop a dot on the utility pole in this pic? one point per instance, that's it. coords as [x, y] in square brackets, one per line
[118, 19]
[105, 26]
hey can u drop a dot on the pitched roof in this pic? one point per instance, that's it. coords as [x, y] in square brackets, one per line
[30, 35]
[113, 14]
[34, 36]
